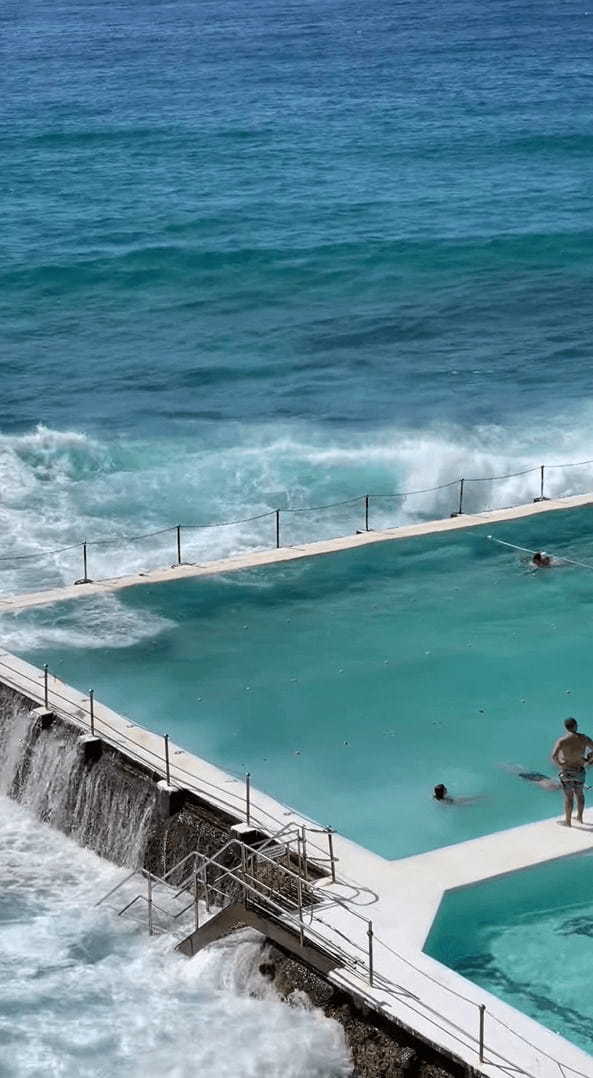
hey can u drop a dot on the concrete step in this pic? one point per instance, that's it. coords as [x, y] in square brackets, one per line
[273, 928]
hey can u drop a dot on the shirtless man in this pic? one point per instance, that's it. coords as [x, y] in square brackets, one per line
[572, 754]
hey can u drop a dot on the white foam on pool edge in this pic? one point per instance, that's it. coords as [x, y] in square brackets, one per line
[101, 621]
[84, 994]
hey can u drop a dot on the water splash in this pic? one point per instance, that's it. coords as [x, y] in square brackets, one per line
[45, 771]
[84, 993]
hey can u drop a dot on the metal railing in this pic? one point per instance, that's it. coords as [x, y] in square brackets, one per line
[305, 916]
[44, 688]
[295, 903]
[364, 507]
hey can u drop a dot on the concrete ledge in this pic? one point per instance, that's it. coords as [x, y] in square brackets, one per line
[170, 799]
[43, 716]
[255, 559]
[411, 990]
[91, 748]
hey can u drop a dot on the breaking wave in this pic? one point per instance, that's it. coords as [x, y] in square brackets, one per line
[61, 487]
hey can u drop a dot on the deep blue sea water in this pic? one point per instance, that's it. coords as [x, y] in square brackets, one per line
[281, 253]
[277, 254]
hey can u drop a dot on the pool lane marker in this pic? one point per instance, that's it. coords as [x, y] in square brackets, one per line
[560, 557]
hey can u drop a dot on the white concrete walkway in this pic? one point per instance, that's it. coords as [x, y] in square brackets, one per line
[400, 897]
[256, 559]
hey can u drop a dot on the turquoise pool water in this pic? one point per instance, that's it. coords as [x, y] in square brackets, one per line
[527, 938]
[349, 685]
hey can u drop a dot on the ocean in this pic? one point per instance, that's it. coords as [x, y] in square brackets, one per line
[275, 255]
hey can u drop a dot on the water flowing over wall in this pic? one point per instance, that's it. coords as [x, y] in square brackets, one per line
[111, 806]
[99, 805]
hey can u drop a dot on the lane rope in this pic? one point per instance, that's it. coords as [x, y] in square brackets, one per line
[525, 550]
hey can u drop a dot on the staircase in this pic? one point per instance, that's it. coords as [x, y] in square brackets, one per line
[270, 887]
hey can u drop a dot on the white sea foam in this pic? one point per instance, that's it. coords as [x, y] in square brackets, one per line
[102, 621]
[84, 994]
[60, 487]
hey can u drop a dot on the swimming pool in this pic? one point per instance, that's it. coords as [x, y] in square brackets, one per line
[527, 938]
[349, 684]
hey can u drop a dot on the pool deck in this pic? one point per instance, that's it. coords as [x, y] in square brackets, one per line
[257, 559]
[400, 897]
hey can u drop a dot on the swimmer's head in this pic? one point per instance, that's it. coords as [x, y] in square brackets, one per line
[571, 724]
[541, 558]
[440, 791]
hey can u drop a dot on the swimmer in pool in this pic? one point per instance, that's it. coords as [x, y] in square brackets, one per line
[544, 781]
[572, 753]
[541, 560]
[441, 793]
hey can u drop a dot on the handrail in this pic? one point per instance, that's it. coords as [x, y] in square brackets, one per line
[358, 966]
[253, 853]
[231, 802]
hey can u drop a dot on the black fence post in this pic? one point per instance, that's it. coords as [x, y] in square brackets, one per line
[179, 544]
[366, 512]
[460, 503]
[92, 709]
[167, 768]
[482, 1013]
[85, 578]
[370, 938]
[45, 686]
[277, 529]
[542, 497]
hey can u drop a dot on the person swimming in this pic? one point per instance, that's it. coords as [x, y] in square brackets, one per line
[541, 560]
[536, 777]
[441, 793]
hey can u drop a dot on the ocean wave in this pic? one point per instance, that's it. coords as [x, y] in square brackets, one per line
[62, 487]
[244, 266]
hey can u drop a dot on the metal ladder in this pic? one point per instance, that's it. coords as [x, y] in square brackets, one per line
[269, 885]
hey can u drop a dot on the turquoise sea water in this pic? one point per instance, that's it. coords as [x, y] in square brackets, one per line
[275, 254]
[349, 685]
[283, 253]
[527, 938]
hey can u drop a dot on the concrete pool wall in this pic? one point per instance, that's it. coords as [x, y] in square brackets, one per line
[414, 1002]
[15, 603]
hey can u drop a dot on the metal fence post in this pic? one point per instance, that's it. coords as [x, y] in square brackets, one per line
[300, 903]
[85, 575]
[330, 843]
[542, 497]
[243, 873]
[460, 510]
[45, 686]
[482, 1013]
[206, 891]
[149, 901]
[167, 768]
[196, 896]
[366, 512]
[304, 846]
[179, 544]
[92, 709]
[370, 935]
[247, 797]
[277, 529]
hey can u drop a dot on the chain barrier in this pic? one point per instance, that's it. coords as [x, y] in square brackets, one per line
[364, 500]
